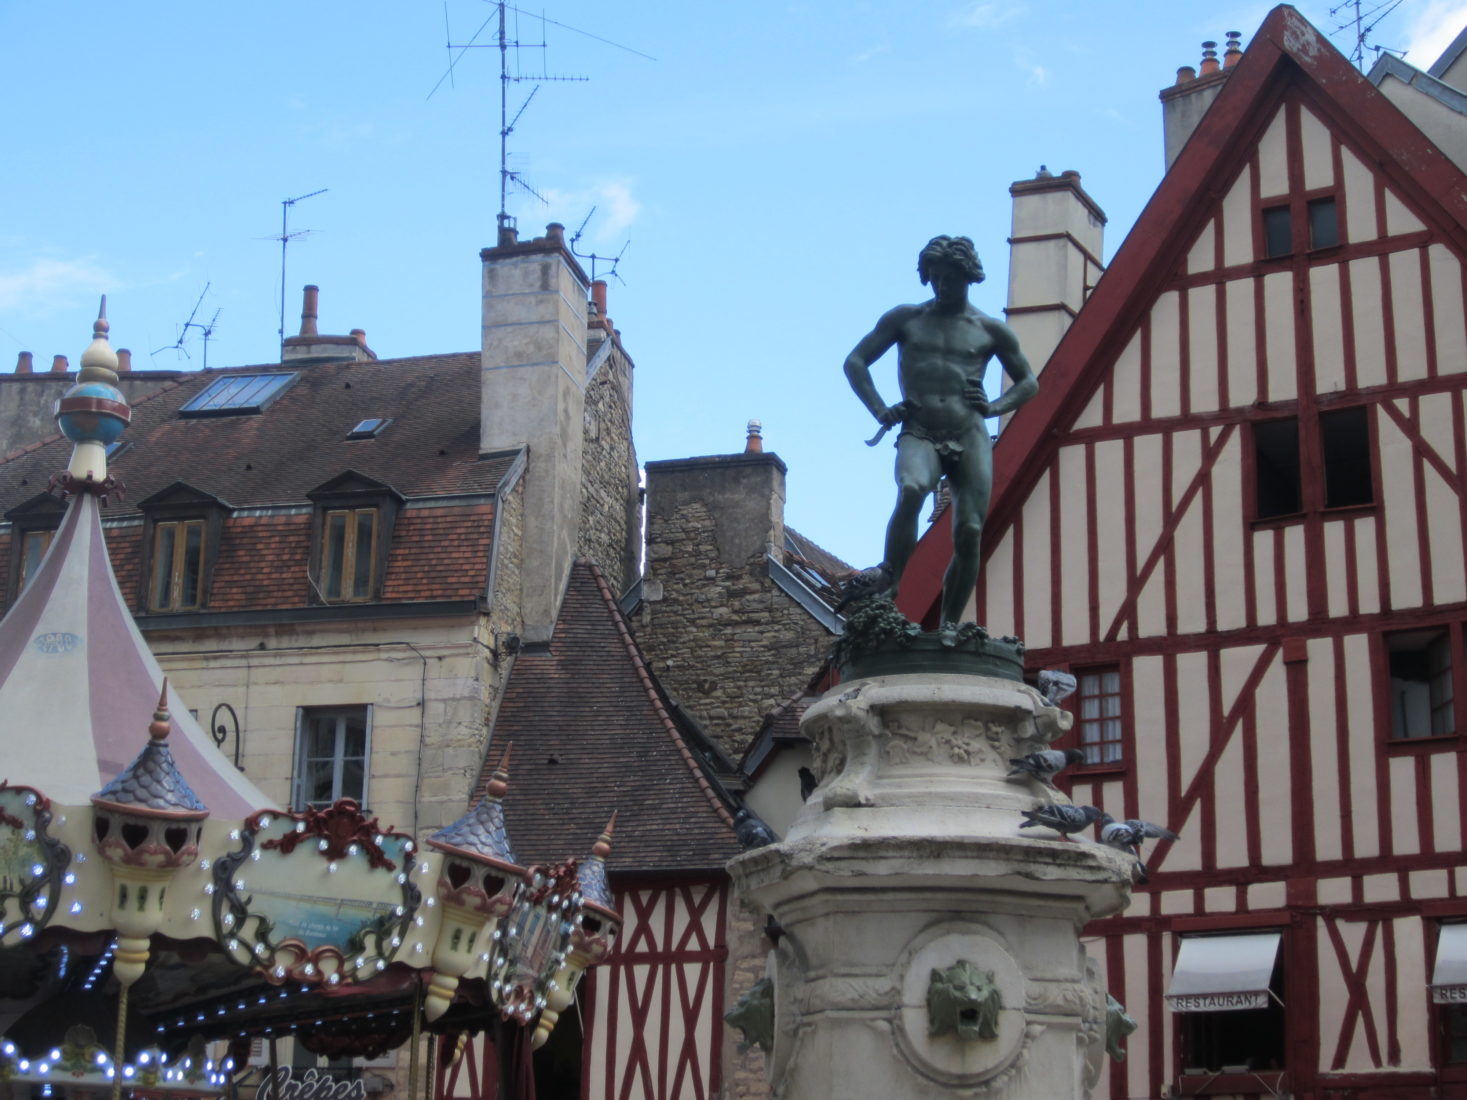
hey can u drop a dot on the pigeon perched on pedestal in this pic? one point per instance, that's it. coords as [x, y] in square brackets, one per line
[1045, 764]
[1055, 686]
[751, 831]
[1062, 817]
[1128, 836]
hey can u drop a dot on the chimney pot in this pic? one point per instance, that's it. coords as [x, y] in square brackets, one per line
[124, 360]
[360, 336]
[754, 443]
[1234, 52]
[59, 365]
[598, 296]
[1044, 173]
[309, 302]
[555, 233]
[1186, 74]
[25, 364]
[1209, 58]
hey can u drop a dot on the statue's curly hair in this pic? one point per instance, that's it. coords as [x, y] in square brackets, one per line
[952, 250]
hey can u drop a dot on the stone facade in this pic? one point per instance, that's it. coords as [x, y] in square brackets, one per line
[611, 529]
[744, 1073]
[723, 638]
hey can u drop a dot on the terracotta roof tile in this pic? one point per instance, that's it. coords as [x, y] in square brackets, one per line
[592, 735]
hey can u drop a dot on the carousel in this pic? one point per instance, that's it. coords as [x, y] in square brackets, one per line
[158, 914]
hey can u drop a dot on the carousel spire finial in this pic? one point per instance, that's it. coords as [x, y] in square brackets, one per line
[161, 723]
[92, 414]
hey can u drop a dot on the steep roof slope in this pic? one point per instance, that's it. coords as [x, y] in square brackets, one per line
[1287, 55]
[592, 735]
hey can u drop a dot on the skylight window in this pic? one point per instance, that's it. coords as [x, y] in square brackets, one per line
[370, 427]
[238, 393]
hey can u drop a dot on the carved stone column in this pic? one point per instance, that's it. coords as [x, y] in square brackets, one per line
[906, 862]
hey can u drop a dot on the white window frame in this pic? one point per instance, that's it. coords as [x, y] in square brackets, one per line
[298, 801]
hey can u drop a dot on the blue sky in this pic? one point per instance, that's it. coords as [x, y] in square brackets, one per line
[775, 169]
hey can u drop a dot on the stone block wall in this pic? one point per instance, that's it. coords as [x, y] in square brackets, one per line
[723, 639]
[611, 529]
[748, 951]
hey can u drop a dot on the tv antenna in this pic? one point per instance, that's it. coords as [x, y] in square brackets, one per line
[504, 44]
[286, 236]
[593, 257]
[207, 330]
[1361, 23]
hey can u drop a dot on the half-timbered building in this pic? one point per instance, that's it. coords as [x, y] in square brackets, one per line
[1236, 513]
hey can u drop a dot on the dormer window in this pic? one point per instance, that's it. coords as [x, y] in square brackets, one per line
[32, 525]
[350, 536]
[178, 566]
[349, 554]
[182, 528]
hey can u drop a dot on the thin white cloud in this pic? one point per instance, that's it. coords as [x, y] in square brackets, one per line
[616, 207]
[1429, 32]
[866, 55]
[1039, 75]
[982, 15]
[46, 283]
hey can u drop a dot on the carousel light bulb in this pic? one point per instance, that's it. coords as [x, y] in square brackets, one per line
[27, 930]
[352, 849]
[260, 950]
[30, 834]
[432, 901]
[208, 887]
[233, 834]
[418, 921]
[333, 978]
[233, 946]
[381, 964]
[194, 914]
[76, 907]
[37, 870]
[101, 1059]
[279, 971]
[227, 920]
[30, 800]
[42, 901]
[398, 911]
[409, 847]
[309, 969]
[81, 857]
[331, 867]
[239, 885]
[322, 845]
[300, 826]
[69, 879]
[255, 856]
[128, 1071]
[144, 1058]
[204, 865]
[401, 879]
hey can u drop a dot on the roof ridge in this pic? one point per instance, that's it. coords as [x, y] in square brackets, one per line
[645, 675]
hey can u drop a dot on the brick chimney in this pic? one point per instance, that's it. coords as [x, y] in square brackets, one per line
[25, 363]
[1054, 259]
[532, 394]
[311, 347]
[1185, 102]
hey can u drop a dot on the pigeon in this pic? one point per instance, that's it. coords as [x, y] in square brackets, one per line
[1062, 817]
[1055, 686]
[1045, 764]
[862, 584]
[1128, 836]
[751, 831]
[808, 783]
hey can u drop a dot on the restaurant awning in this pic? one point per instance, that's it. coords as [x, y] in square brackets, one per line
[1449, 979]
[1223, 973]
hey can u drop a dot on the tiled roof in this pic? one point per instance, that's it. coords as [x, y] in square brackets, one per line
[818, 558]
[592, 735]
[299, 442]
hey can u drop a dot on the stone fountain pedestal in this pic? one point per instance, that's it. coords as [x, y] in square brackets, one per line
[907, 861]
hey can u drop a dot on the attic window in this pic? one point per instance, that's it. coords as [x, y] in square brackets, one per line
[238, 393]
[1278, 231]
[1324, 225]
[369, 428]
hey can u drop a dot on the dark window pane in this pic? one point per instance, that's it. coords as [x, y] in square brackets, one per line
[335, 550]
[1454, 1026]
[1345, 439]
[1278, 231]
[362, 580]
[1324, 227]
[193, 565]
[1252, 1037]
[163, 549]
[1421, 684]
[1276, 454]
[33, 549]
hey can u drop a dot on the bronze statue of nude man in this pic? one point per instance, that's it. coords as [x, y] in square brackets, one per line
[943, 347]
